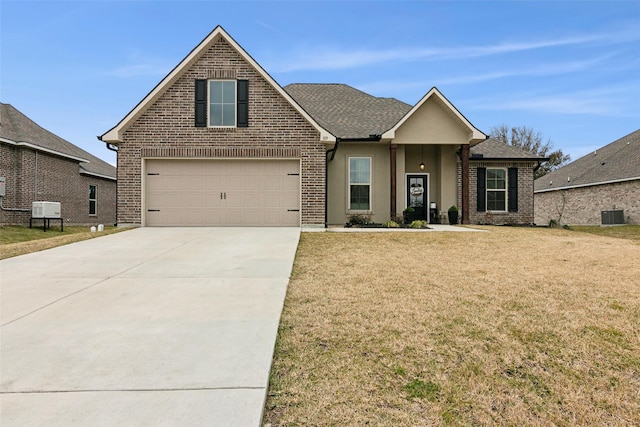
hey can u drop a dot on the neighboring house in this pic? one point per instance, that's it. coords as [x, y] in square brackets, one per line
[40, 166]
[219, 142]
[606, 180]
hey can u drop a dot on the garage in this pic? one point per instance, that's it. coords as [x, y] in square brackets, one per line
[199, 192]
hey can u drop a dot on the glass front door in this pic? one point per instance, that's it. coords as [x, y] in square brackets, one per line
[417, 196]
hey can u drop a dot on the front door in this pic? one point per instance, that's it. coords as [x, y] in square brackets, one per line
[417, 195]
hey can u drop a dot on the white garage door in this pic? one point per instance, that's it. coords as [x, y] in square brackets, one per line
[222, 193]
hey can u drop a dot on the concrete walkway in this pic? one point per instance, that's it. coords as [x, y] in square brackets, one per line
[432, 228]
[152, 326]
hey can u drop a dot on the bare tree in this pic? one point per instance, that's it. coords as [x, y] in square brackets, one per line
[533, 142]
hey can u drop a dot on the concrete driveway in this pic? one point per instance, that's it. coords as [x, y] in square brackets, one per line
[152, 326]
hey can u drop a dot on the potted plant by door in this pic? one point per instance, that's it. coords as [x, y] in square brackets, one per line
[453, 214]
[408, 215]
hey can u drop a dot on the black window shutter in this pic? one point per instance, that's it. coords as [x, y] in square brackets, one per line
[482, 189]
[243, 103]
[513, 190]
[201, 103]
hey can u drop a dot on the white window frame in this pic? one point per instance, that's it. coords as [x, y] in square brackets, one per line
[94, 200]
[504, 190]
[370, 184]
[235, 103]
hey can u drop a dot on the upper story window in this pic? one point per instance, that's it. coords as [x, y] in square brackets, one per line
[222, 103]
[360, 183]
[496, 189]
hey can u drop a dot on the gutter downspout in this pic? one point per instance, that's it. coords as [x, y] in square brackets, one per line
[113, 148]
[533, 189]
[326, 179]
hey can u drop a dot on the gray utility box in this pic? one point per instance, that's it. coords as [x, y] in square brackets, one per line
[613, 217]
[45, 210]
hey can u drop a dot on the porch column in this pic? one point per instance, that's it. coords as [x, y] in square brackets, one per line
[464, 154]
[392, 151]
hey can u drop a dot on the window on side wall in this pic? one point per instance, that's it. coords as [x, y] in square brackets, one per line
[93, 200]
[360, 183]
[496, 189]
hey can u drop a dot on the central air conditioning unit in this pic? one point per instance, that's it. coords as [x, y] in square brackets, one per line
[45, 210]
[613, 217]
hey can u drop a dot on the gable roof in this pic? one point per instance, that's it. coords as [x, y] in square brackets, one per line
[114, 135]
[493, 149]
[616, 162]
[347, 112]
[476, 134]
[18, 129]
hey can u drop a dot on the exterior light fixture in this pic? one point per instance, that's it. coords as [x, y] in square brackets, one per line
[422, 157]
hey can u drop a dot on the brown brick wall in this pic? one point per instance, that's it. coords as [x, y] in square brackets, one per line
[166, 129]
[37, 176]
[583, 206]
[524, 216]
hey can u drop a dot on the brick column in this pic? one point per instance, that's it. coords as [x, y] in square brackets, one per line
[464, 157]
[392, 151]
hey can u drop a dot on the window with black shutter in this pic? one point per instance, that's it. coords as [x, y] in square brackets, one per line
[221, 103]
[201, 103]
[243, 103]
[482, 189]
[513, 190]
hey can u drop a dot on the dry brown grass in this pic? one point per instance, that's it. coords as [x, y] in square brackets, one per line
[22, 240]
[511, 327]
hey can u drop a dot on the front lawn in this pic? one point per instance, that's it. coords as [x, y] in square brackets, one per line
[19, 240]
[620, 231]
[516, 326]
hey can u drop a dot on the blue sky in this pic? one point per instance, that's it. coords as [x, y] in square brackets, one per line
[568, 69]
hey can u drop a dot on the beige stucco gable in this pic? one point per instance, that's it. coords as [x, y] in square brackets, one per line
[434, 120]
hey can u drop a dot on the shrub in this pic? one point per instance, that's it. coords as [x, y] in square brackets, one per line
[418, 224]
[358, 219]
[391, 224]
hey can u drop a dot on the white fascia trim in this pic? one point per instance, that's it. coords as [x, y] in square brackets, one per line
[593, 184]
[476, 134]
[114, 135]
[46, 150]
[83, 172]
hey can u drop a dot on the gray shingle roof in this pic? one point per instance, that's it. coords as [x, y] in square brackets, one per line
[345, 111]
[17, 127]
[494, 149]
[619, 160]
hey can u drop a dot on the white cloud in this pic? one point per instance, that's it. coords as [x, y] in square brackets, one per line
[618, 100]
[139, 64]
[139, 70]
[314, 58]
